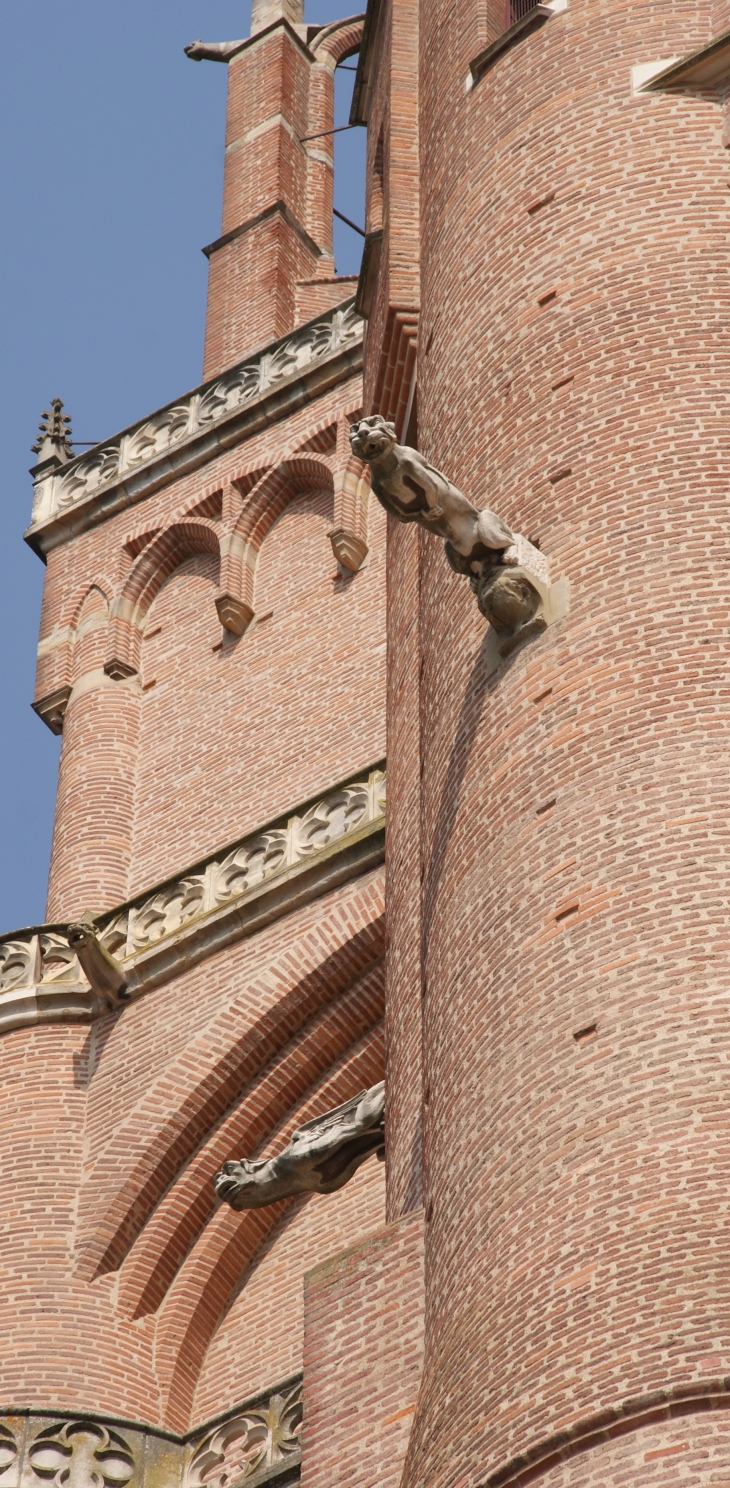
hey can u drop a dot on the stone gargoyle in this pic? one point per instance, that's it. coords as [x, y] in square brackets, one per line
[102, 971]
[478, 543]
[321, 1157]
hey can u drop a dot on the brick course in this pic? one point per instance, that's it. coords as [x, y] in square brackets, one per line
[574, 804]
[363, 1344]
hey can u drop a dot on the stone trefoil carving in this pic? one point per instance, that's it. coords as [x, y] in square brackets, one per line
[507, 573]
[249, 1443]
[320, 1158]
[195, 415]
[81, 1454]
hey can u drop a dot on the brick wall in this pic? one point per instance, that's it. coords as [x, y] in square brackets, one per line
[201, 717]
[573, 371]
[403, 850]
[363, 1343]
[119, 1268]
[393, 195]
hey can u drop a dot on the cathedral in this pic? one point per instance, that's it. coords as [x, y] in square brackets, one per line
[366, 1093]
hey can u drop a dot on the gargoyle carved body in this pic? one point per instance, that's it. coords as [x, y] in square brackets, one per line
[478, 543]
[102, 970]
[320, 1158]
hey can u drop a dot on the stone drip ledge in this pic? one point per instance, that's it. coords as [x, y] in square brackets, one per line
[227, 897]
[185, 434]
[261, 1439]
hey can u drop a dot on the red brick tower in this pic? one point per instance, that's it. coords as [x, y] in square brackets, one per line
[560, 930]
[546, 294]
[213, 649]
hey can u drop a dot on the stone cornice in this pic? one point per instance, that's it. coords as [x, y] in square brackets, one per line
[187, 433]
[223, 899]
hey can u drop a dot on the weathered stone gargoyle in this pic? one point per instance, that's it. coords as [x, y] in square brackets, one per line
[321, 1157]
[478, 543]
[103, 972]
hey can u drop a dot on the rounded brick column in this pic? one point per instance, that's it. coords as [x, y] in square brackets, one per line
[92, 835]
[574, 375]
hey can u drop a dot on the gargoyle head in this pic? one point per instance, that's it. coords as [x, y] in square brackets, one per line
[237, 1184]
[371, 438]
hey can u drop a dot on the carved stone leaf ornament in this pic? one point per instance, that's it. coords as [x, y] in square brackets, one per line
[249, 1443]
[251, 864]
[167, 911]
[17, 964]
[332, 818]
[198, 412]
[81, 1454]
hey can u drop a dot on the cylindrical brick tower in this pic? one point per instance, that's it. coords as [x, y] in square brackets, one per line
[574, 373]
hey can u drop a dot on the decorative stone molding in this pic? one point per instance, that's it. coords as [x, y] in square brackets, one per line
[259, 1441]
[142, 944]
[186, 433]
[250, 1444]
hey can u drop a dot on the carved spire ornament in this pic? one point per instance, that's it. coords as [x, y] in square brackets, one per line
[478, 544]
[54, 435]
[321, 1157]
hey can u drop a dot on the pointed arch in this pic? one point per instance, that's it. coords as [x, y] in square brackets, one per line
[154, 565]
[129, 1179]
[56, 658]
[263, 505]
[76, 603]
[340, 39]
[210, 1274]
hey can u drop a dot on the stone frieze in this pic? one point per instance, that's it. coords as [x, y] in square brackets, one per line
[232, 894]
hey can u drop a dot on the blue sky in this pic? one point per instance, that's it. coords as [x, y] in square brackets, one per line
[112, 178]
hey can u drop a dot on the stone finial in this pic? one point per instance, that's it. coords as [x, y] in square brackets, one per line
[321, 1157]
[54, 435]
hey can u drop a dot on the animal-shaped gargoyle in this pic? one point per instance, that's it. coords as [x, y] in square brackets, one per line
[101, 969]
[322, 1155]
[477, 543]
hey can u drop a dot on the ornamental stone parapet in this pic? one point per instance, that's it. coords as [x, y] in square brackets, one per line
[172, 927]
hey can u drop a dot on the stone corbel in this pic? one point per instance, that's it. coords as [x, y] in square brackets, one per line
[352, 489]
[519, 601]
[52, 707]
[234, 601]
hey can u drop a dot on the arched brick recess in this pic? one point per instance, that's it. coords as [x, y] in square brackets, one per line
[177, 1113]
[154, 564]
[189, 1203]
[263, 504]
[205, 1283]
